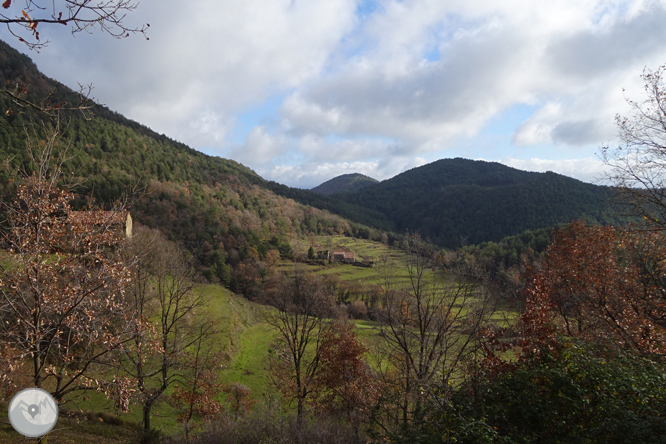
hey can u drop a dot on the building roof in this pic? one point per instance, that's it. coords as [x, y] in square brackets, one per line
[99, 217]
[111, 219]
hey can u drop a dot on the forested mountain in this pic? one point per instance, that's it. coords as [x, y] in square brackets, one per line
[344, 183]
[454, 199]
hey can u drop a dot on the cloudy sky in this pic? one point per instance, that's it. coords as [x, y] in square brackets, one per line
[305, 90]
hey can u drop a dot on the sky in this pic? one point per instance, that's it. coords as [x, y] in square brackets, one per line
[302, 91]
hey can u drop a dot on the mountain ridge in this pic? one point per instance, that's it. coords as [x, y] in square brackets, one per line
[454, 201]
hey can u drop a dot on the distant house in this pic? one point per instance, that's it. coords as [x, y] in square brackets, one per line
[117, 220]
[343, 254]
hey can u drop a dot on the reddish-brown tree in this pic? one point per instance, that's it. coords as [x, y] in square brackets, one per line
[62, 306]
[239, 398]
[345, 383]
[604, 285]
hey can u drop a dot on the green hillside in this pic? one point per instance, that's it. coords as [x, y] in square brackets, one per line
[344, 184]
[454, 199]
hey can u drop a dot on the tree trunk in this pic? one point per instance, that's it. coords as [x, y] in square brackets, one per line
[300, 395]
[405, 403]
[147, 407]
[300, 407]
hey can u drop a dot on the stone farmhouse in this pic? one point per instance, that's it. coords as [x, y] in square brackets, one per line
[118, 220]
[343, 254]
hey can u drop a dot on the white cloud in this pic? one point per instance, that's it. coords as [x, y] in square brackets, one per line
[309, 175]
[210, 126]
[571, 59]
[260, 148]
[210, 55]
[539, 127]
[317, 149]
[412, 78]
[589, 169]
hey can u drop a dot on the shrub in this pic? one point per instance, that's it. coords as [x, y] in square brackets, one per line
[358, 310]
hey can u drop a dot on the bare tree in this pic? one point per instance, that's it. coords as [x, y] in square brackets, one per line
[638, 164]
[198, 391]
[164, 290]
[303, 302]
[429, 325]
[61, 291]
[26, 18]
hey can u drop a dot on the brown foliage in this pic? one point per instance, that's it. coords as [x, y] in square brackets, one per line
[62, 299]
[606, 285]
[597, 284]
[345, 383]
[197, 393]
[239, 396]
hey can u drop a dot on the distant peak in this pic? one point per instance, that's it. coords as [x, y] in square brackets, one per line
[345, 183]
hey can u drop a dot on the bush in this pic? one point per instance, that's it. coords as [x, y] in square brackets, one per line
[579, 396]
[358, 310]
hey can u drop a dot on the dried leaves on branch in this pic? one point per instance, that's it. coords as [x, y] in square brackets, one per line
[48, 105]
[597, 284]
[345, 383]
[606, 286]
[198, 390]
[62, 287]
[25, 20]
